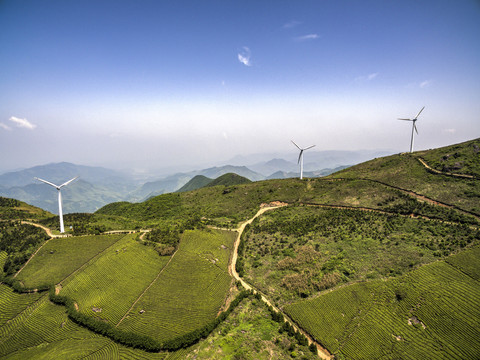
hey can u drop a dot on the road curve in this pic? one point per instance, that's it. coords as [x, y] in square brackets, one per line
[322, 352]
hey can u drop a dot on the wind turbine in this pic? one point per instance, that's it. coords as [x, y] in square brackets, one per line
[58, 187]
[300, 157]
[414, 127]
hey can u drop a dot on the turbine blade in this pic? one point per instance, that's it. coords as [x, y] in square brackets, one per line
[415, 127]
[419, 112]
[405, 119]
[47, 182]
[309, 147]
[293, 142]
[300, 156]
[68, 182]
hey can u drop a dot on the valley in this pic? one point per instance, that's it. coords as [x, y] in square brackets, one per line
[375, 261]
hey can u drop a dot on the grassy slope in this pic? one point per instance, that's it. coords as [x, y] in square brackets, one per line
[15, 209]
[195, 183]
[461, 158]
[190, 290]
[406, 172]
[371, 320]
[298, 251]
[229, 180]
[126, 269]
[62, 256]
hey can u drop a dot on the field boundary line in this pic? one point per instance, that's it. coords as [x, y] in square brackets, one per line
[148, 287]
[85, 264]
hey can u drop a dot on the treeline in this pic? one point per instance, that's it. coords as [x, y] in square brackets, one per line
[166, 236]
[19, 241]
[7, 202]
[286, 327]
[142, 341]
[240, 264]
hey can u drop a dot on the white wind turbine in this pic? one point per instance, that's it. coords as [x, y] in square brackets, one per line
[58, 187]
[300, 157]
[414, 127]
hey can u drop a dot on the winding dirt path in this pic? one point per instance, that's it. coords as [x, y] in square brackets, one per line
[462, 176]
[322, 352]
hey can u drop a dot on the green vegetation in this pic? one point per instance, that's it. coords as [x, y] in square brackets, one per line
[229, 180]
[197, 182]
[126, 268]
[251, 334]
[11, 209]
[432, 312]
[377, 261]
[406, 172]
[189, 292]
[60, 257]
[461, 158]
[308, 249]
[18, 241]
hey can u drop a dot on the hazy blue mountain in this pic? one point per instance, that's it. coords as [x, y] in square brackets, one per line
[95, 187]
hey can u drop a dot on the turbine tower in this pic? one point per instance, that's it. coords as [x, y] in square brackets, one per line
[414, 127]
[300, 157]
[58, 187]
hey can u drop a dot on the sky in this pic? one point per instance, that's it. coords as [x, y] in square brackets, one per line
[158, 84]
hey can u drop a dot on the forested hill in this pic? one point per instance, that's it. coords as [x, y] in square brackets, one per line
[15, 209]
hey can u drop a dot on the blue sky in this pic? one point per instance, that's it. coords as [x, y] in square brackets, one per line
[150, 84]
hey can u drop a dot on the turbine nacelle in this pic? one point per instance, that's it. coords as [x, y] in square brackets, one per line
[300, 157]
[414, 126]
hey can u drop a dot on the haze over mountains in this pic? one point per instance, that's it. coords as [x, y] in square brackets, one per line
[98, 186]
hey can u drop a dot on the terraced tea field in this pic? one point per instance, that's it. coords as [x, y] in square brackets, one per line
[60, 257]
[191, 289]
[432, 312]
[109, 285]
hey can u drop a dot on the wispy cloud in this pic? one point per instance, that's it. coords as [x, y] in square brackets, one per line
[5, 127]
[307, 37]
[22, 123]
[449, 131]
[291, 24]
[425, 84]
[244, 56]
[368, 77]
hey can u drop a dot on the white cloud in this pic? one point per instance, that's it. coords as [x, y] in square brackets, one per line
[244, 56]
[368, 77]
[307, 37]
[5, 127]
[23, 123]
[291, 24]
[425, 84]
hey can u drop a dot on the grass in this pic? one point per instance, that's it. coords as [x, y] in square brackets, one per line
[295, 252]
[191, 289]
[406, 172]
[461, 158]
[432, 312]
[126, 268]
[62, 256]
[249, 333]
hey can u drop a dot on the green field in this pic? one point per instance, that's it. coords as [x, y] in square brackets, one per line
[191, 289]
[432, 312]
[112, 282]
[60, 257]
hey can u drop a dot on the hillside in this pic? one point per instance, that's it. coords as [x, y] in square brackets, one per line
[197, 182]
[379, 260]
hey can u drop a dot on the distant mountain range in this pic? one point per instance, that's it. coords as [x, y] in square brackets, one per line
[99, 186]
